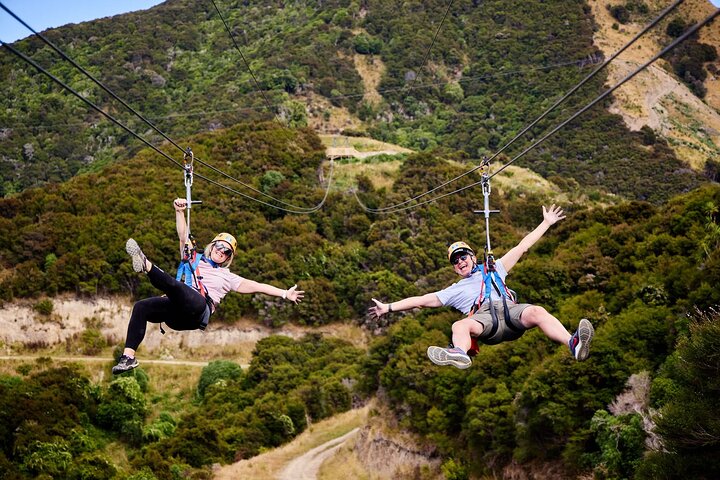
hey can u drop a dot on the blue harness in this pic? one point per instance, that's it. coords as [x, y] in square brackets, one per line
[491, 279]
[186, 270]
[186, 273]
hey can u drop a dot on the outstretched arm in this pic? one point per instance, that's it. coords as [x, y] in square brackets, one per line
[427, 300]
[251, 286]
[180, 224]
[550, 216]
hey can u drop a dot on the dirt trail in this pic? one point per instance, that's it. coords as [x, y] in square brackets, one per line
[32, 358]
[306, 467]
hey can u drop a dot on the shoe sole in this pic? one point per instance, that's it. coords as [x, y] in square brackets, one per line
[133, 249]
[585, 334]
[118, 372]
[440, 356]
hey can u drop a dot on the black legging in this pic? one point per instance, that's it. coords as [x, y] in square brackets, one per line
[181, 309]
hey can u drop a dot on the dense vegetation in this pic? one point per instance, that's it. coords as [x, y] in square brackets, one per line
[57, 424]
[494, 66]
[635, 269]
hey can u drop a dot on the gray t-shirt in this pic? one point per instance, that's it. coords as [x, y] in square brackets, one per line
[464, 294]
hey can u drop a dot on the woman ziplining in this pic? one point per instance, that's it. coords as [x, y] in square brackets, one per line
[188, 307]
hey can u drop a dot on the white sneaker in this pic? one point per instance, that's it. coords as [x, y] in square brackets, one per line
[449, 356]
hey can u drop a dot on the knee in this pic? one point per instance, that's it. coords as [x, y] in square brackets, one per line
[461, 326]
[139, 310]
[534, 314]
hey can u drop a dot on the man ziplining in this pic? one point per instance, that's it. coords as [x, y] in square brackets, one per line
[493, 316]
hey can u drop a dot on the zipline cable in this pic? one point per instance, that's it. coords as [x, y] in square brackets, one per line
[487, 161]
[257, 84]
[139, 137]
[427, 53]
[295, 208]
[667, 49]
[91, 104]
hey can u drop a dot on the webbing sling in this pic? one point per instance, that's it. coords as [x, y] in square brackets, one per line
[186, 270]
[492, 279]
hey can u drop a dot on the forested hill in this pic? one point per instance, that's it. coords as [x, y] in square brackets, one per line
[635, 270]
[493, 67]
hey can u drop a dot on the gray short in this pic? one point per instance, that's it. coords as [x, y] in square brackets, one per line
[504, 332]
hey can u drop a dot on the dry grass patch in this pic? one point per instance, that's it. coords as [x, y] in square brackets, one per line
[361, 144]
[652, 98]
[370, 68]
[381, 175]
[325, 117]
[344, 464]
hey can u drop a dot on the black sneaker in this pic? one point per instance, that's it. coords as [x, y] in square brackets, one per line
[125, 365]
[138, 258]
[580, 341]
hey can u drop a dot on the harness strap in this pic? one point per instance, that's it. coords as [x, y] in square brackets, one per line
[188, 272]
[492, 279]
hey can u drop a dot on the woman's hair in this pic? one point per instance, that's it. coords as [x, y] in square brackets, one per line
[208, 251]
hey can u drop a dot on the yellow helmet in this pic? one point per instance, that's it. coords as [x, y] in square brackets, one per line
[459, 247]
[226, 237]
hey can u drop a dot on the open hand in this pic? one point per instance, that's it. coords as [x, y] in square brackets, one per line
[295, 295]
[379, 309]
[553, 214]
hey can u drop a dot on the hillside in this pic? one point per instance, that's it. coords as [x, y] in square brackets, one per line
[638, 254]
[657, 98]
[342, 66]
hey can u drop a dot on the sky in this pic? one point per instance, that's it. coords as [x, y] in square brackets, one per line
[44, 14]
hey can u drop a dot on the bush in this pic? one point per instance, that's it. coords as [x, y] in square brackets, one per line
[690, 435]
[122, 404]
[44, 307]
[622, 442]
[619, 13]
[217, 371]
[92, 341]
[676, 27]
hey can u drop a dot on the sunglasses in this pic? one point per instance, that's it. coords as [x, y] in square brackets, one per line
[224, 250]
[459, 258]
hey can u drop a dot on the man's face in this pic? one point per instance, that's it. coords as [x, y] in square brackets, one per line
[463, 264]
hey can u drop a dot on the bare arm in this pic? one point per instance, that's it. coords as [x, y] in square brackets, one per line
[550, 216]
[427, 300]
[251, 286]
[180, 224]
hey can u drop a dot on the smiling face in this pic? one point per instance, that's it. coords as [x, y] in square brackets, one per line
[463, 263]
[221, 252]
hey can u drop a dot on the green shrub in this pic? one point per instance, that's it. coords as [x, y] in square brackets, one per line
[92, 341]
[51, 458]
[122, 404]
[44, 307]
[218, 371]
[622, 443]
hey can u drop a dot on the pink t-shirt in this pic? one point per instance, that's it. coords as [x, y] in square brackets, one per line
[218, 281]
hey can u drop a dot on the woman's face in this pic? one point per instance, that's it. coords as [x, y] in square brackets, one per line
[221, 252]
